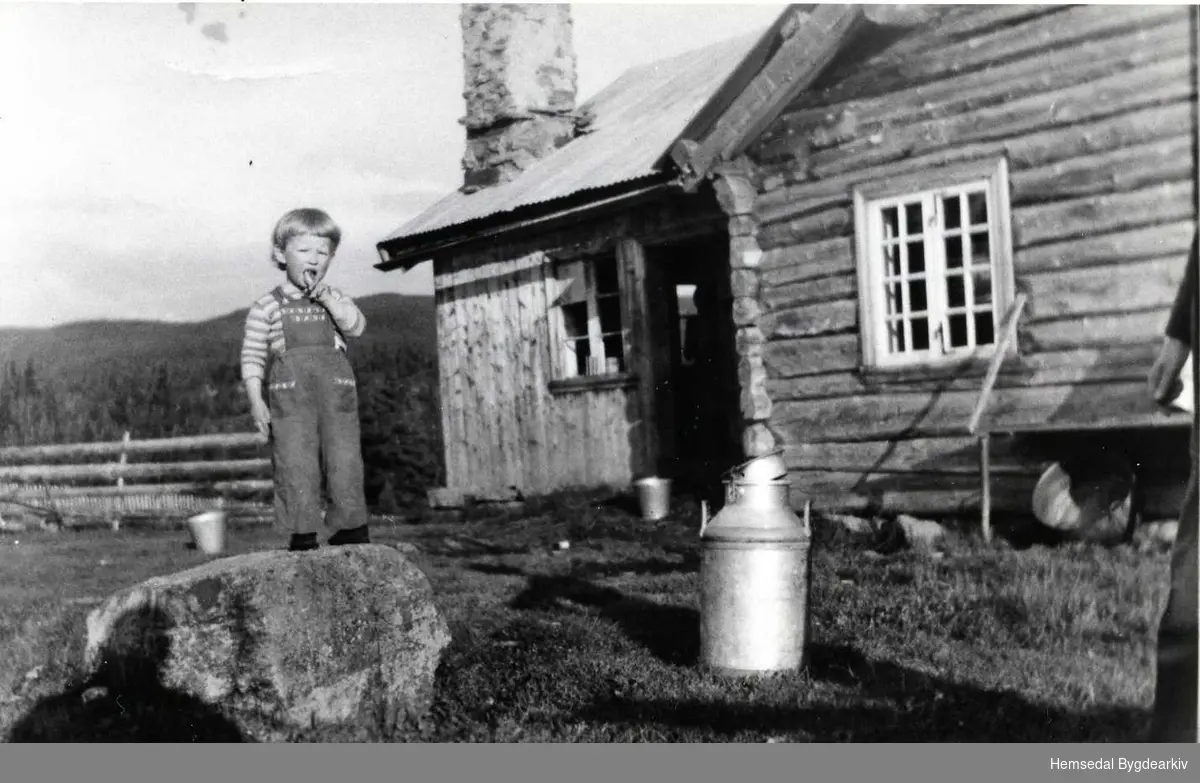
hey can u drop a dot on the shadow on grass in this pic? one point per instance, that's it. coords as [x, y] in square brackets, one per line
[469, 546]
[125, 700]
[888, 703]
[670, 633]
[651, 566]
[495, 569]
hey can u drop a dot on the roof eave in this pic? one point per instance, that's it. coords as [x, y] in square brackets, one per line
[407, 251]
[737, 82]
[806, 47]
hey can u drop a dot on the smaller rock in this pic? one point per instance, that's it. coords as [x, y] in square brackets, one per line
[920, 533]
[83, 600]
[405, 548]
[509, 494]
[93, 693]
[1159, 532]
[445, 497]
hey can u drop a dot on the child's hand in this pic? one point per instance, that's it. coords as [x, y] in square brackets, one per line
[319, 293]
[262, 416]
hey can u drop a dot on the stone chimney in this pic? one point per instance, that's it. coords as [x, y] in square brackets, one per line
[519, 85]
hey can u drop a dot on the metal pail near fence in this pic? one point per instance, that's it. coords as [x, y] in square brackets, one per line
[654, 497]
[208, 531]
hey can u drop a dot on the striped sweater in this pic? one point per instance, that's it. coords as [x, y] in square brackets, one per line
[264, 327]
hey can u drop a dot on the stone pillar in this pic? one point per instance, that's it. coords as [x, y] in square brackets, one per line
[519, 85]
[736, 192]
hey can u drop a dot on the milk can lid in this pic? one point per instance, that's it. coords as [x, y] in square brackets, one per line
[764, 468]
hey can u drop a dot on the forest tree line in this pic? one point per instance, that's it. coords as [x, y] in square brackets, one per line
[194, 393]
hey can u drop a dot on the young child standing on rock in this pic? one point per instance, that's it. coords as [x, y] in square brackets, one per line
[295, 342]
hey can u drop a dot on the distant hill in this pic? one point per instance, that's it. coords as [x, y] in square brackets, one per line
[78, 349]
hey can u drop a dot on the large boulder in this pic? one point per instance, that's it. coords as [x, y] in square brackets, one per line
[280, 642]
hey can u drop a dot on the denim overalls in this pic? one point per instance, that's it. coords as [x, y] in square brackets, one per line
[314, 423]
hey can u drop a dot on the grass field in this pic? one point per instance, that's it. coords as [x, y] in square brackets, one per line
[598, 643]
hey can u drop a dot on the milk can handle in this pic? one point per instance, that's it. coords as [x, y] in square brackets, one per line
[771, 453]
[703, 516]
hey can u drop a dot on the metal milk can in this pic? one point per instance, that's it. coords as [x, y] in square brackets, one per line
[755, 575]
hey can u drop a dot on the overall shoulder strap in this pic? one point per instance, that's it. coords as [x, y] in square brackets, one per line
[279, 295]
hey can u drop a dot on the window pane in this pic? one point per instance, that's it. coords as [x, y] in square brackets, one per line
[582, 350]
[981, 283]
[896, 336]
[894, 305]
[916, 258]
[610, 314]
[956, 294]
[985, 332]
[977, 208]
[920, 334]
[916, 297]
[606, 276]
[954, 252]
[913, 221]
[891, 260]
[958, 331]
[614, 350]
[981, 252]
[891, 223]
[572, 283]
[952, 212]
[575, 318]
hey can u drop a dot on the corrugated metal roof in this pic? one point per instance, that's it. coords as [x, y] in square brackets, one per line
[636, 119]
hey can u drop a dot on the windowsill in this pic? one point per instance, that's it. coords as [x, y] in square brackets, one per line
[935, 370]
[593, 383]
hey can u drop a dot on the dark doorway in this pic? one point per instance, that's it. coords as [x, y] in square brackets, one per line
[704, 412]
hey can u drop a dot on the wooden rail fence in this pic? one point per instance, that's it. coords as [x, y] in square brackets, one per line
[66, 480]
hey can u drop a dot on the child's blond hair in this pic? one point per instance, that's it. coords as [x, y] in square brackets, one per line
[305, 220]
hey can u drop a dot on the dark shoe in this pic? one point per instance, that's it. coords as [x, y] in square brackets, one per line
[355, 535]
[302, 542]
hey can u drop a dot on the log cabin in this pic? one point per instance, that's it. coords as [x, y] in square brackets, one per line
[923, 250]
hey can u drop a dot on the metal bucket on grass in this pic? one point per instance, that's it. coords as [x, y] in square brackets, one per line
[208, 531]
[654, 497]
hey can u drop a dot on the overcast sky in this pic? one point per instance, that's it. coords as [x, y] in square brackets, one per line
[146, 150]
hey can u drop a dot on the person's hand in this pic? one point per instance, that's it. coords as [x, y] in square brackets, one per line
[1164, 380]
[262, 416]
[318, 293]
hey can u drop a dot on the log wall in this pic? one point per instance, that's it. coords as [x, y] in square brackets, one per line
[505, 422]
[1094, 109]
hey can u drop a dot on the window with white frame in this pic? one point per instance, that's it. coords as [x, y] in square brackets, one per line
[935, 265]
[586, 317]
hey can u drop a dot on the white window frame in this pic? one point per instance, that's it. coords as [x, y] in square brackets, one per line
[565, 360]
[989, 177]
